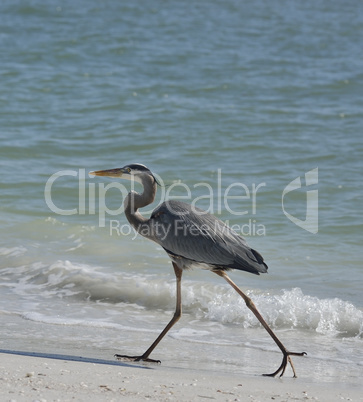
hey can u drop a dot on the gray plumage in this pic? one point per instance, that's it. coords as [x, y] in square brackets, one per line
[193, 237]
[190, 236]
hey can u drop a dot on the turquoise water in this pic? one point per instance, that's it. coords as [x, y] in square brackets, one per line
[218, 99]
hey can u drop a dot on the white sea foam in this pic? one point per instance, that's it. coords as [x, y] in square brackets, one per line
[12, 251]
[292, 309]
[289, 308]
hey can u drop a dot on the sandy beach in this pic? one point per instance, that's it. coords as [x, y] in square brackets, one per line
[31, 378]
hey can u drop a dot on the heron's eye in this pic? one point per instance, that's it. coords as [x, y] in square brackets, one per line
[129, 170]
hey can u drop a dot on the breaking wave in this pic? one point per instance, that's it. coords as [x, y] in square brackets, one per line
[289, 308]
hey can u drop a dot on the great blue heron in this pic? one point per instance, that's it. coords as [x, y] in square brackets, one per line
[191, 237]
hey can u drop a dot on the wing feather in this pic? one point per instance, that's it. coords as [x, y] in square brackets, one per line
[201, 238]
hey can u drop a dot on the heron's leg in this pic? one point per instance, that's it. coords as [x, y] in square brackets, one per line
[178, 311]
[249, 303]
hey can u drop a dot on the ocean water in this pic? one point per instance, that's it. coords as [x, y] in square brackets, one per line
[252, 110]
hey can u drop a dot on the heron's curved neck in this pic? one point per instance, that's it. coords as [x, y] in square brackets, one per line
[134, 201]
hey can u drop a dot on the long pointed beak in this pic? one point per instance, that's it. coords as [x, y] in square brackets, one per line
[109, 173]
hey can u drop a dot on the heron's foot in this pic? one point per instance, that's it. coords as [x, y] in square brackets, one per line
[136, 359]
[286, 359]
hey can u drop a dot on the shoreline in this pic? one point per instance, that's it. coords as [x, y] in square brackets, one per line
[34, 376]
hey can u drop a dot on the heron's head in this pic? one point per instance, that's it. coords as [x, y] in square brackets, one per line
[135, 171]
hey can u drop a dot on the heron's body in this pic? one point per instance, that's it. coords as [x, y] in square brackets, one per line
[191, 237]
